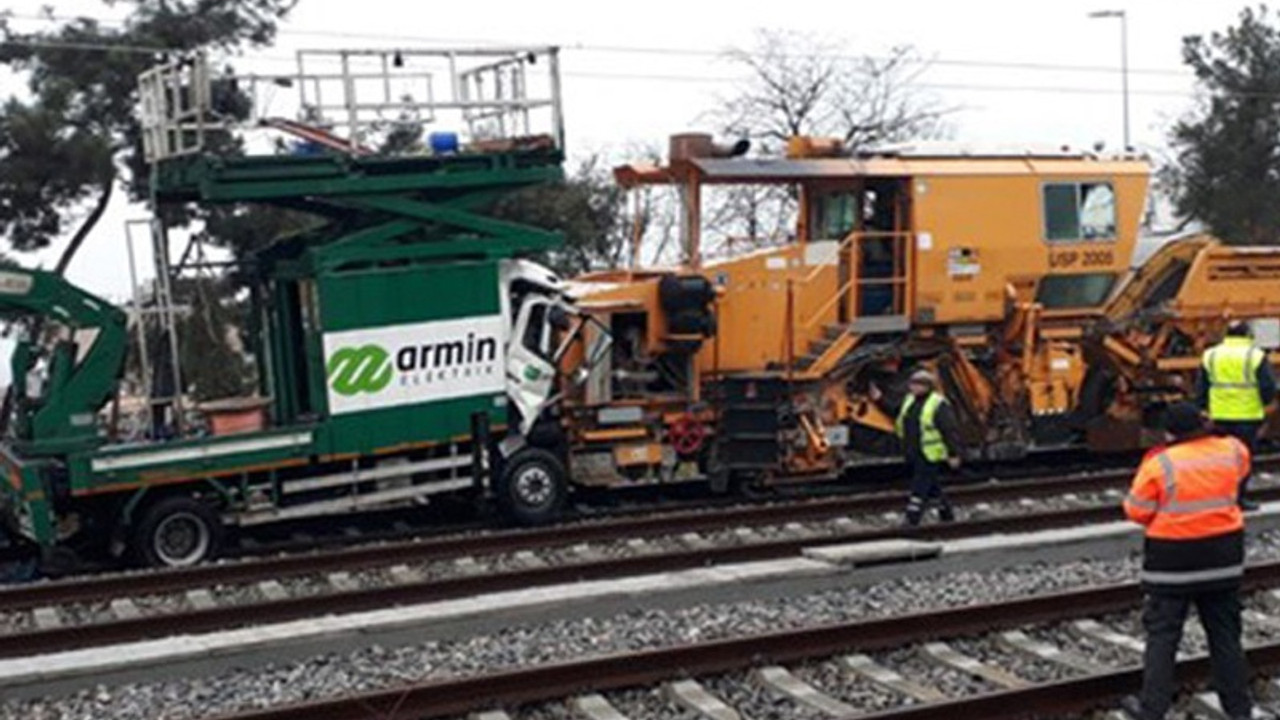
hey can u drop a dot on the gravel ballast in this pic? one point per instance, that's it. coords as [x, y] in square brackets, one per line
[379, 667]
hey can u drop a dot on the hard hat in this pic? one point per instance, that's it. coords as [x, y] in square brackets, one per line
[923, 377]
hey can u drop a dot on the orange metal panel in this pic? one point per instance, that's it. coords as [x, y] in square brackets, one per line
[638, 454]
[997, 220]
[613, 434]
[1178, 364]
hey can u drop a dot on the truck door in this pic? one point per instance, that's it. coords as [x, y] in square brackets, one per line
[531, 370]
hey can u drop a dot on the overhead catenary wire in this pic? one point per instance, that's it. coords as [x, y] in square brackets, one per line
[978, 87]
[656, 77]
[676, 51]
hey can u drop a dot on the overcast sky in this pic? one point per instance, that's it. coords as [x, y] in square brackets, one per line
[1017, 71]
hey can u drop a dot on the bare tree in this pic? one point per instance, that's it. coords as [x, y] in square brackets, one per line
[801, 84]
[786, 90]
[881, 102]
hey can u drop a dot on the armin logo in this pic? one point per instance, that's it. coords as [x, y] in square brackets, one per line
[447, 356]
[364, 369]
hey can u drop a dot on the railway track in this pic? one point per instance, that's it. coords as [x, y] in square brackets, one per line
[860, 508]
[17, 563]
[67, 615]
[396, 525]
[364, 550]
[1047, 655]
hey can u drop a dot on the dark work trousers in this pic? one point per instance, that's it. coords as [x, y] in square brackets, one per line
[1246, 431]
[1163, 618]
[926, 486]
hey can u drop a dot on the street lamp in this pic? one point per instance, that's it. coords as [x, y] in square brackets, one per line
[1124, 61]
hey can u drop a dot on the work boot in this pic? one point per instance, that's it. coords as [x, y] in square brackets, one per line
[946, 514]
[915, 511]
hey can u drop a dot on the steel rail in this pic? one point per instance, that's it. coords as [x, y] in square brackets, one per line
[226, 617]
[364, 557]
[459, 696]
[223, 618]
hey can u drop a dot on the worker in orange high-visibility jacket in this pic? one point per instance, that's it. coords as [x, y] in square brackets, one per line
[1186, 497]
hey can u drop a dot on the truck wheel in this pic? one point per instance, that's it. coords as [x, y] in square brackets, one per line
[177, 532]
[533, 487]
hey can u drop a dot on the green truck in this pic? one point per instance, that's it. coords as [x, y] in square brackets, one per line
[405, 347]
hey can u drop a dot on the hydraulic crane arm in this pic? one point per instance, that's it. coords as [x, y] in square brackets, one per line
[77, 342]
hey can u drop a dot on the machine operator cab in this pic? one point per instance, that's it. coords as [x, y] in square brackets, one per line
[865, 223]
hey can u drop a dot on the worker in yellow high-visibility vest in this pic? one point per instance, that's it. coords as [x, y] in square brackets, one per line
[926, 426]
[1234, 387]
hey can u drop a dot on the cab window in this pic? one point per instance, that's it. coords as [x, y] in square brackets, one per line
[836, 215]
[1074, 291]
[536, 336]
[1079, 211]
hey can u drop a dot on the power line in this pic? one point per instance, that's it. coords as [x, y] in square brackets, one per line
[654, 77]
[678, 51]
[650, 77]
[699, 52]
[695, 52]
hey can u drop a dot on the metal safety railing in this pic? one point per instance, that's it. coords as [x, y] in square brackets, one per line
[850, 254]
[357, 101]
[175, 99]
[852, 281]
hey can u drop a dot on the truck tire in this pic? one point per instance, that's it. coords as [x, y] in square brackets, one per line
[533, 487]
[177, 532]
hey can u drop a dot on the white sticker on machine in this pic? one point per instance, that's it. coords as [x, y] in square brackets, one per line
[963, 262]
[382, 367]
[822, 252]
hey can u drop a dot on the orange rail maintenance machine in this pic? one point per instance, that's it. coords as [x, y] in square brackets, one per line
[1007, 273]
